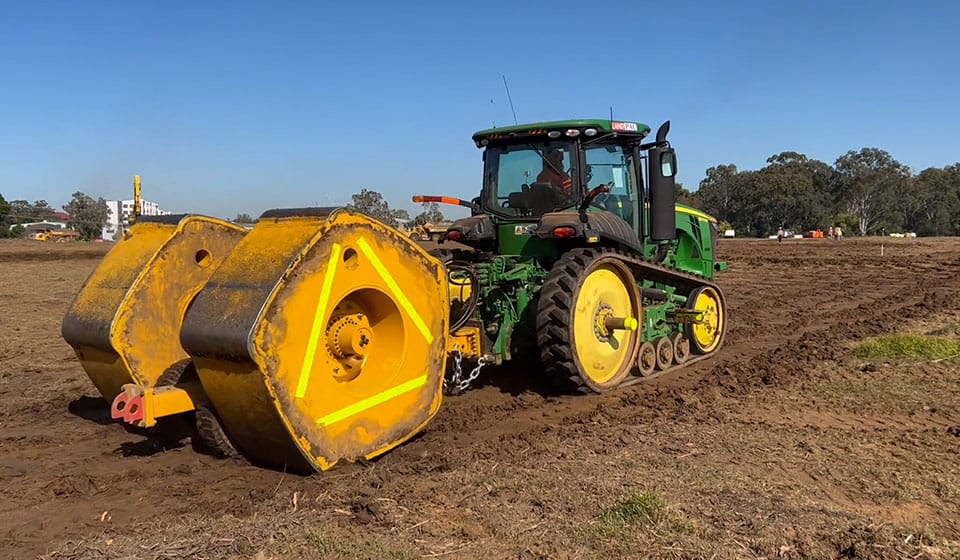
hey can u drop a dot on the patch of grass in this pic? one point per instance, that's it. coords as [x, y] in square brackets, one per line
[645, 509]
[909, 346]
[326, 546]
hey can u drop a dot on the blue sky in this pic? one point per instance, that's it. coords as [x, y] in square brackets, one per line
[227, 107]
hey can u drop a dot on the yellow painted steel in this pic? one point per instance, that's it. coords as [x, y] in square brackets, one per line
[370, 402]
[137, 208]
[607, 291]
[460, 286]
[395, 289]
[330, 343]
[319, 316]
[466, 340]
[144, 405]
[706, 332]
[124, 324]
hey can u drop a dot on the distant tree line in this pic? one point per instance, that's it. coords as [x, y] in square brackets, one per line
[16, 212]
[372, 203]
[866, 192]
[87, 216]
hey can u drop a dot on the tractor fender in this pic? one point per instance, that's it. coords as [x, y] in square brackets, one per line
[607, 225]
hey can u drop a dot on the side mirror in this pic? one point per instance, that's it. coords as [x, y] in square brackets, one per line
[668, 163]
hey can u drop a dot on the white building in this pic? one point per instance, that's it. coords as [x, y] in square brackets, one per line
[118, 216]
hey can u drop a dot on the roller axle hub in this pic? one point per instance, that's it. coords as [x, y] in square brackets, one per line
[350, 336]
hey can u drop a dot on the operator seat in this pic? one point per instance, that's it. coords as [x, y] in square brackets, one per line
[542, 198]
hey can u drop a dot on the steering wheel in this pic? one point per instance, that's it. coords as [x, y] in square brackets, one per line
[601, 199]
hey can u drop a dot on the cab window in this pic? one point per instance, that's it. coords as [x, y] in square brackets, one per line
[610, 165]
[530, 180]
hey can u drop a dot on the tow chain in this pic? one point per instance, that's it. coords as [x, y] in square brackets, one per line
[457, 383]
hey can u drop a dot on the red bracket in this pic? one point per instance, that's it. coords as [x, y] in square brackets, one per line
[128, 406]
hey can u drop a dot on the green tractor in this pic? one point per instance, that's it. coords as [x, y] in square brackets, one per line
[581, 257]
[322, 335]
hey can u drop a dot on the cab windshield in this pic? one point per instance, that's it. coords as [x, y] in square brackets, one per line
[612, 166]
[531, 179]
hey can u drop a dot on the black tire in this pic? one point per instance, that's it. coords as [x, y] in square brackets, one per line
[555, 311]
[213, 438]
[183, 369]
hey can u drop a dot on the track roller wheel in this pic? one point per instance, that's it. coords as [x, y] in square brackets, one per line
[706, 335]
[587, 320]
[213, 438]
[681, 348]
[647, 358]
[664, 353]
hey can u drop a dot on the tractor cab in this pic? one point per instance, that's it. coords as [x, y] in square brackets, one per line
[532, 170]
[578, 182]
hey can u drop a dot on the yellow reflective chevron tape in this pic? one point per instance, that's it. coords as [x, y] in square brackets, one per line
[395, 288]
[696, 213]
[370, 402]
[317, 327]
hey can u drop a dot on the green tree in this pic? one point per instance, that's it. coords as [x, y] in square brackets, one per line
[17, 231]
[683, 196]
[732, 196]
[372, 204]
[244, 219]
[953, 172]
[5, 219]
[931, 201]
[431, 215]
[400, 214]
[22, 210]
[717, 193]
[41, 210]
[793, 192]
[87, 216]
[867, 185]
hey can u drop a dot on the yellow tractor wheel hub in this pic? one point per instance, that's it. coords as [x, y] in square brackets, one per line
[349, 341]
[707, 332]
[604, 294]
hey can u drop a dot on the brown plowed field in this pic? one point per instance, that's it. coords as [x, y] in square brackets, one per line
[783, 446]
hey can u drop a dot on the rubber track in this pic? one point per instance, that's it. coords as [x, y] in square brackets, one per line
[212, 436]
[553, 319]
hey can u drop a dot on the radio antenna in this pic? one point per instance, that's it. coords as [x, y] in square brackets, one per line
[506, 87]
[611, 112]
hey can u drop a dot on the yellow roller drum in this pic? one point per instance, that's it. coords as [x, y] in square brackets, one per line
[321, 339]
[124, 324]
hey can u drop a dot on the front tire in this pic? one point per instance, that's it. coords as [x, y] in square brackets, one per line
[577, 352]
